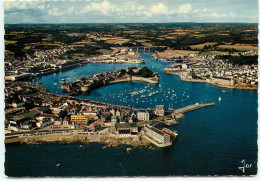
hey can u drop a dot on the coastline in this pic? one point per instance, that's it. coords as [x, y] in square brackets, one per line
[212, 83]
[66, 138]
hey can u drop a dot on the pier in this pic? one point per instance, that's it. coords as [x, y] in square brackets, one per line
[178, 113]
[191, 108]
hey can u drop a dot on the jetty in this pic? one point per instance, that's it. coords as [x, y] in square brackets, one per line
[191, 108]
[172, 118]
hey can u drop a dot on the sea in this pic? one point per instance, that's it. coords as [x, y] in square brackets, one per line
[216, 140]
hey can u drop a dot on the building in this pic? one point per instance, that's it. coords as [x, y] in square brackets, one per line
[43, 123]
[126, 128]
[26, 125]
[114, 119]
[118, 113]
[18, 77]
[79, 119]
[159, 110]
[143, 116]
[156, 136]
[18, 104]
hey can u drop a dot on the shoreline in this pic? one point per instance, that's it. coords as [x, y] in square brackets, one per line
[212, 83]
[67, 138]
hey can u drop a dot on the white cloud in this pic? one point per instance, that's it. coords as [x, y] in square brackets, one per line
[184, 8]
[105, 8]
[26, 4]
[159, 9]
[55, 12]
[115, 11]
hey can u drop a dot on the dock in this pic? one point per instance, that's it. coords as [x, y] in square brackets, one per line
[179, 113]
[191, 108]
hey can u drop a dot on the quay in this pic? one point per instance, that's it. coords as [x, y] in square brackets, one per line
[191, 108]
[178, 113]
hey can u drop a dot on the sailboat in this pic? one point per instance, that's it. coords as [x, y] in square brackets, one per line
[219, 99]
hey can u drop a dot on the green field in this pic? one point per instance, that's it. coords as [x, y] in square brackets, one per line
[215, 52]
[239, 47]
[200, 46]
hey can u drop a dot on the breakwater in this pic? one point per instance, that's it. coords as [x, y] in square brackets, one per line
[191, 108]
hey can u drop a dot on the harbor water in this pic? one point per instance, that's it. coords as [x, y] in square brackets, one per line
[212, 140]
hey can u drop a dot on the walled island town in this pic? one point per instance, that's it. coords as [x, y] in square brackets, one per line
[85, 85]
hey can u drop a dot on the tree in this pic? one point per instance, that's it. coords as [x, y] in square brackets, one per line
[145, 72]
[122, 72]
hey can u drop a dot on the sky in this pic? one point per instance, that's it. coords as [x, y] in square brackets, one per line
[129, 11]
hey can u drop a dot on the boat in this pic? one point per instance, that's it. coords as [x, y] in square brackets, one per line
[219, 99]
[58, 165]
[55, 83]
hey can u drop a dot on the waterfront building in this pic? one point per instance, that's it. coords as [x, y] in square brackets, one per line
[126, 128]
[43, 123]
[18, 77]
[157, 136]
[159, 110]
[143, 115]
[79, 119]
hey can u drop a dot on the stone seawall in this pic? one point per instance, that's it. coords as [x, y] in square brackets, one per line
[64, 138]
[134, 78]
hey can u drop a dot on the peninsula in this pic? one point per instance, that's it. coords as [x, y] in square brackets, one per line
[66, 119]
[85, 85]
[218, 73]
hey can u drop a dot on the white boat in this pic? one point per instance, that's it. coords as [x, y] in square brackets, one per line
[55, 83]
[219, 99]
[58, 165]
